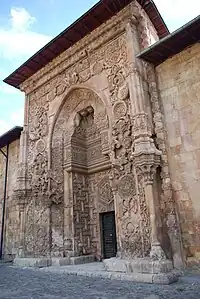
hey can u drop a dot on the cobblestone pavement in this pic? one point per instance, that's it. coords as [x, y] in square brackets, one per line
[33, 284]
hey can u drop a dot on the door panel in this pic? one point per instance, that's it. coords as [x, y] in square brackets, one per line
[109, 235]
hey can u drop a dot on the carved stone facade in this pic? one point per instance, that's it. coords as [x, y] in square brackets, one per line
[94, 142]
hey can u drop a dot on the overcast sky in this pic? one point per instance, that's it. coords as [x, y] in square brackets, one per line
[26, 26]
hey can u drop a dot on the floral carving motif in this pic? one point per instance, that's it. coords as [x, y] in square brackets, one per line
[105, 198]
[120, 109]
[40, 146]
[39, 124]
[127, 187]
[39, 181]
[122, 142]
[123, 92]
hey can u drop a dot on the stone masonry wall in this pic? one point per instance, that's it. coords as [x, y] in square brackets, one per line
[11, 233]
[179, 86]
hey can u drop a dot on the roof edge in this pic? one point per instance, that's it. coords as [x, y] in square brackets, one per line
[18, 76]
[166, 39]
[10, 136]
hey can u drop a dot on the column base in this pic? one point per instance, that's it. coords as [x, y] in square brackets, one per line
[157, 253]
[144, 269]
[42, 262]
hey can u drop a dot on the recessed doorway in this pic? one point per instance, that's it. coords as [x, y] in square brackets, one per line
[108, 233]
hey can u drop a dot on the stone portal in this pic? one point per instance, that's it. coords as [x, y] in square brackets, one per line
[84, 165]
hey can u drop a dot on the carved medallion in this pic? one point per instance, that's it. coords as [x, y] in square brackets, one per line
[123, 92]
[120, 109]
[127, 186]
[97, 68]
[61, 88]
[40, 146]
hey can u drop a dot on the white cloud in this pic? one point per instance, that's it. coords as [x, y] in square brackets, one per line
[178, 12]
[21, 20]
[6, 89]
[20, 42]
[4, 127]
[16, 118]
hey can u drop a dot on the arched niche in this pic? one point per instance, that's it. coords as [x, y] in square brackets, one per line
[79, 156]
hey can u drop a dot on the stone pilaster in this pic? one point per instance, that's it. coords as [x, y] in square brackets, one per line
[22, 188]
[146, 165]
[68, 215]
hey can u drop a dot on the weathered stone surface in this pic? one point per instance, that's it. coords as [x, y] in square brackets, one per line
[138, 265]
[46, 283]
[12, 223]
[179, 87]
[97, 270]
[117, 265]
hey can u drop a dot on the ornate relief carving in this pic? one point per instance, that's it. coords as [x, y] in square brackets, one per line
[57, 219]
[105, 196]
[84, 141]
[144, 219]
[39, 181]
[76, 53]
[123, 92]
[82, 230]
[56, 175]
[42, 227]
[121, 143]
[127, 186]
[40, 146]
[120, 109]
[97, 68]
[81, 144]
[29, 228]
[131, 236]
[39, 124]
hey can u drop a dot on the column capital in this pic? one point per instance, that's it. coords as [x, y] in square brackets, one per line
[22, 198]
[146, 165]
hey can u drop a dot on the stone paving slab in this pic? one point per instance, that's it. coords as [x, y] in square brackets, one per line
[30, 283]
[97, 270]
